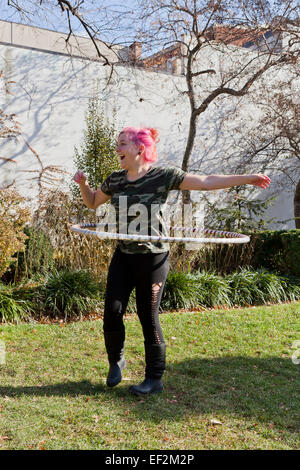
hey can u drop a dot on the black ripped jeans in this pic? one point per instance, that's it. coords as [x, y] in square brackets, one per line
[147, 273]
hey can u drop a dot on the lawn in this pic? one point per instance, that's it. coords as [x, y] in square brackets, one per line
[230, 384]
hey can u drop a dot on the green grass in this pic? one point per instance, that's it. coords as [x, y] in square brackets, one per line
[233, 366]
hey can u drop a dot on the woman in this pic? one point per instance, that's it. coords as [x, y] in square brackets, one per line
[143, 265]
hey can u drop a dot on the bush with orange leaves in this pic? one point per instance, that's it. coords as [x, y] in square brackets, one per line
[13, 218]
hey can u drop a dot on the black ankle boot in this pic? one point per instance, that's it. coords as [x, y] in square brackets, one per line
[148, 386]
[114, 342]
[155, 355]
[115, 372]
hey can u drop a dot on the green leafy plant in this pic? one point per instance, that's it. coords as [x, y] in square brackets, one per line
[278, 251]
[245, 289]
[258, 287]
[13, 309]
[291, 287]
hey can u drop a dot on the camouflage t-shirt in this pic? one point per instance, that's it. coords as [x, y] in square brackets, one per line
[139, 205]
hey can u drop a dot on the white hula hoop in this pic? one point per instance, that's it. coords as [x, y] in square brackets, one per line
[218, 236]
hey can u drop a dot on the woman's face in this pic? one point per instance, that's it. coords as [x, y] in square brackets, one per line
[127, 151]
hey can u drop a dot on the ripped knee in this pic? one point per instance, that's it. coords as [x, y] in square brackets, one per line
[156, 288]
[155, 292]
[116, 308]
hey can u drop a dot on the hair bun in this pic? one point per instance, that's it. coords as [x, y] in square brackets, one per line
[154, 134]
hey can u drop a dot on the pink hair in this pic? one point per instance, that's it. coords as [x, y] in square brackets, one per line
[146, 136]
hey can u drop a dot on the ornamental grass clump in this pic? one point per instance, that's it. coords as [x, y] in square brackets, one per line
[249, 287]
[68, 293]
[291, 287]
[212, 289]
[181, 291]
[244, 289]
[13, 310]
[35, 260]
[270, 287]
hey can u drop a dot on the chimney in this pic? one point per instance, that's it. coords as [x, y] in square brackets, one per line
[135, 51]
[177, 66]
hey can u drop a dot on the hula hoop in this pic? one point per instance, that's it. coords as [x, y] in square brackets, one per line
[217, 235]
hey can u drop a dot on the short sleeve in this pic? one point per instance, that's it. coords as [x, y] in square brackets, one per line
[174, 178]
[105, 186]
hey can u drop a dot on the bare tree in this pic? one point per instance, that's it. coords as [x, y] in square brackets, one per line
[253, 37]
[106, 25]
[284, 113]
[274, 143]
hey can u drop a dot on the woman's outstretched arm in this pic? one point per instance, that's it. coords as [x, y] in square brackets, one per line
[211, 182]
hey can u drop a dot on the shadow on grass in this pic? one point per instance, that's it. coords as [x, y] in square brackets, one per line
[70, 389]
[264, 389]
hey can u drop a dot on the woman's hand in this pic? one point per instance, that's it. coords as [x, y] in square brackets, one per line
[79, 177]
[260, 180]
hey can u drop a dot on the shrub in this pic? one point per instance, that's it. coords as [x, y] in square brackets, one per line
[291, 246]
[37, 258]
[278, 251]
[13, 217]
[97, 156]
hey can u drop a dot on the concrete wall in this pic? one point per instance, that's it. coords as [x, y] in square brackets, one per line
[51, 41]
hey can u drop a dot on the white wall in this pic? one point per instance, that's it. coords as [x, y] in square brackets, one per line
[50, 95]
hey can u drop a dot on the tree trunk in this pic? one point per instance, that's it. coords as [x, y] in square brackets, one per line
[186, 196]
[297, 205]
